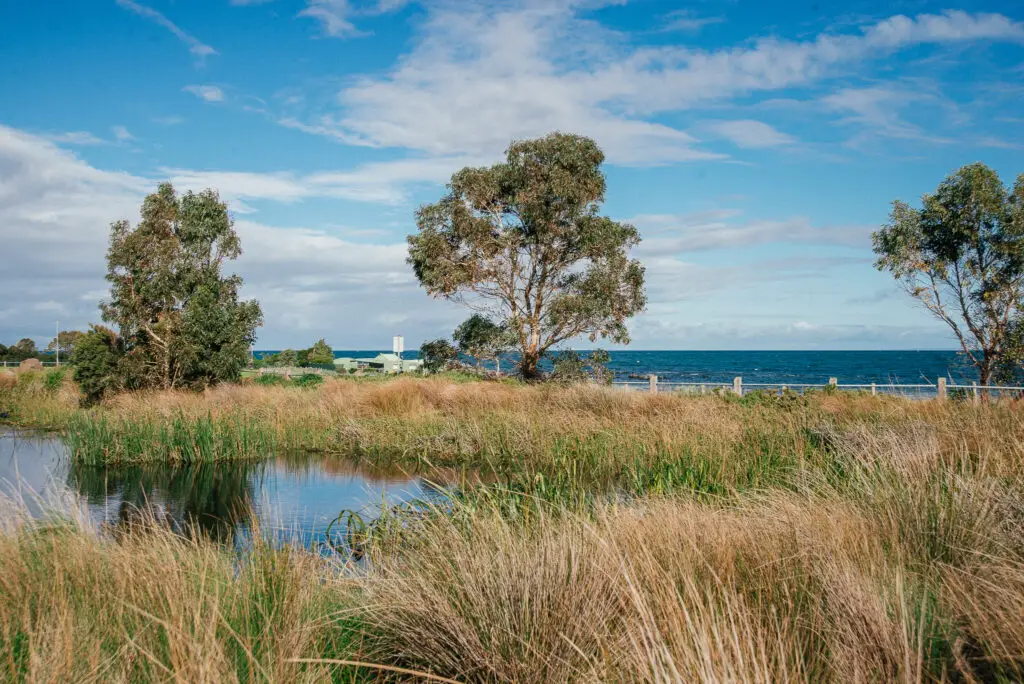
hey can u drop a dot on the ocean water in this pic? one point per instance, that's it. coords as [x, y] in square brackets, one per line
[784, 367]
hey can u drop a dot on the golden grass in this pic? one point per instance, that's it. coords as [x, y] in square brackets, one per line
[877, 540]
[438, 422]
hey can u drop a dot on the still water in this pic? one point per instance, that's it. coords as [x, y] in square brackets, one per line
[287, 498]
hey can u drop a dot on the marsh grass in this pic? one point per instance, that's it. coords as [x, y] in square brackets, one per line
[890, 552]
[633, 440]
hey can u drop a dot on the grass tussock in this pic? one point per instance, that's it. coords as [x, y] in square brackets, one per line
[867, 585]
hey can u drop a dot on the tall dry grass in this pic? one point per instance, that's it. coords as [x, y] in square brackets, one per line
[913, 571]
[711, 442]
[900, 559]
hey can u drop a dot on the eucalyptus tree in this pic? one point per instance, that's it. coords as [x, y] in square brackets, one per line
[961, 255]
[181, 320]
[524, 243]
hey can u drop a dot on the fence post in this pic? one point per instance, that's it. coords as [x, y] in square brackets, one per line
[976, 398]
[703, 389]
[737, 386]
[874, 390]
[654, 384]
[834, 382]
[942, 389]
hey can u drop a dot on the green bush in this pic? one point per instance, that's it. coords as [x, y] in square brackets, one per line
[309, 380]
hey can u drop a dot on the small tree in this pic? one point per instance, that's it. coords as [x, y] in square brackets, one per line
[287, 358]
[96, 356]
[523, 242]
[320, 352]
[483, 339]
[570, 366]
[166, 287]
[962, 257]
[65, 340]
[437, 355]
[25, 348]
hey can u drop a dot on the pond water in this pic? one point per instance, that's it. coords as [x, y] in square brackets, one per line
[292, 498]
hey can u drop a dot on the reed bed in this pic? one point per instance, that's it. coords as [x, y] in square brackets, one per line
[602, 435]
[912, 570]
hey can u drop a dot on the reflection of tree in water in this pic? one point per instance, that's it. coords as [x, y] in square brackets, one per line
[211, 498]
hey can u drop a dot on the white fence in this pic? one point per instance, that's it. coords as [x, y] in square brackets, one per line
[939, 390]
[15, 364]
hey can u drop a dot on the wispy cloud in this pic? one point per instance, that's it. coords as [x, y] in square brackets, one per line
[121, 134]
[333, 16]
[686, 21]
[877, 110]
[195, 46]
[668, 234]
[481, 74]
[210, 93]
[748, 133]
[75, 138]
[168, 120]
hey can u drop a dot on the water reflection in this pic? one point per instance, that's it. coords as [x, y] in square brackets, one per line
[212, 499]
[293, 496]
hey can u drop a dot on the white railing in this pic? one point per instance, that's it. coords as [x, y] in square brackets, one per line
[939, 390]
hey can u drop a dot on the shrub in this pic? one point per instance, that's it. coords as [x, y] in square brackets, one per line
[309, 380]
[95, 359]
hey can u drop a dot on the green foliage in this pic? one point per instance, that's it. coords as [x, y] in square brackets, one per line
[320, 353]
[95, 360]
[962, 256]
[570, 366]
[269, 379]
[437, 355]
[217, 331]
[94, 439]
[180, 319]
[65, 340]
[483, 339]
[24, 348]
[309, 380]
[526, 238]
[53, 379]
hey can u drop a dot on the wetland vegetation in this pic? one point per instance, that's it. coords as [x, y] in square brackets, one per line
[610, 536]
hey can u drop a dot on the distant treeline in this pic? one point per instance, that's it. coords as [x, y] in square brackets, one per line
[26, 348]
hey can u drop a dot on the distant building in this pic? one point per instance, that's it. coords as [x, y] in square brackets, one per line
[382, 363]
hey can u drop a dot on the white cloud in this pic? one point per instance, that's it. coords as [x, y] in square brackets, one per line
[333, 16]
[667, 234]
[878, 109]
[55, 213]
[483, 73]
[210, 93]
[751, 134]
[195, 46]
[75, 138]
[121, 134]
[687, 21]
[383, 182]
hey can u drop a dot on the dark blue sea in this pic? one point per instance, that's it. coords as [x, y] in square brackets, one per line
[783, 367]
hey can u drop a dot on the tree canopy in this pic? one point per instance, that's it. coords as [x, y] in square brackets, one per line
[437, 355]
[961, 255]
[523, 242]
[181, 321]
[65, 340]
[483, 339]
[320, 352]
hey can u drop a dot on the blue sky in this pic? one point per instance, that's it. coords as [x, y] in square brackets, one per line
[755, 145]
